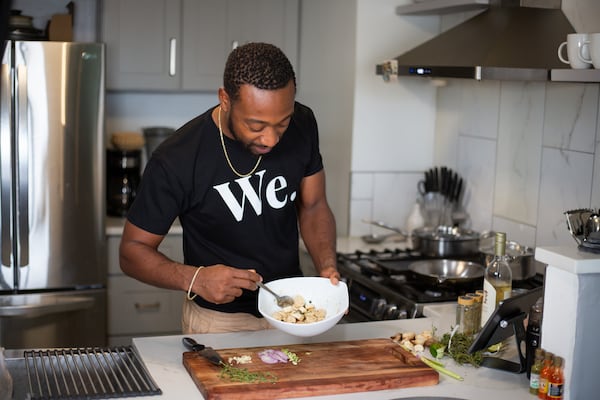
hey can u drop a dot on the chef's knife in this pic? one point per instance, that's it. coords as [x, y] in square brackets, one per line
[207, 352]
[442, 182]
[458, 190]
[452, 181]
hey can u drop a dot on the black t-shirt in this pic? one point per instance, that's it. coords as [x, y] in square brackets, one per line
[248, 223]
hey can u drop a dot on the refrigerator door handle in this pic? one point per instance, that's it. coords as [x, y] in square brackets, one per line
[37, 305]
[5, 164]
[22, 151]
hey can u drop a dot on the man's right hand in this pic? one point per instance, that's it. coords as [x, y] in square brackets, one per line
[221, 284]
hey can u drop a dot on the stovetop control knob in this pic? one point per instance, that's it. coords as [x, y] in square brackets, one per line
[378, 308]
[391, 312]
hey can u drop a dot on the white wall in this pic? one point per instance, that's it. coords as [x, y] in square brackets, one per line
[392, 140]
[326, 84]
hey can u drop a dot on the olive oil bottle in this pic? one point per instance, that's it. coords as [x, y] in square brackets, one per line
[497, 279]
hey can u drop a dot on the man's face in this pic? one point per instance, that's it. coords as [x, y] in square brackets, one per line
[258, 118]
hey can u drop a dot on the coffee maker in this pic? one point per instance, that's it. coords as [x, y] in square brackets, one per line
[122, 179]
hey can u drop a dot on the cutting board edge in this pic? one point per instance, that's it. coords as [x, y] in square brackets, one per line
[340, 387]
[421, 375]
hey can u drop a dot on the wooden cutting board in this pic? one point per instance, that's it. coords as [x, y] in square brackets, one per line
[325, 368]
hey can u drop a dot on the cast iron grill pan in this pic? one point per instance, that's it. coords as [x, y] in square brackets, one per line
[87, 373]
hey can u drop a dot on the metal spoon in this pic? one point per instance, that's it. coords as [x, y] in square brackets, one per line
[374, 238]
[282, 301]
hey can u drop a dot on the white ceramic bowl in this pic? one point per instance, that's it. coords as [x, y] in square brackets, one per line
[319, 291]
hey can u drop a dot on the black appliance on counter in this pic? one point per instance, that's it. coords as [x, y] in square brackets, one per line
[122, 179]
[381, 286]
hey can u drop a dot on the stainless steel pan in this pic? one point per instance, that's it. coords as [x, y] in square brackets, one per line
[447, 271]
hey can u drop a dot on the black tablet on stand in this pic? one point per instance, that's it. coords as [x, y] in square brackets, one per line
[506, 321]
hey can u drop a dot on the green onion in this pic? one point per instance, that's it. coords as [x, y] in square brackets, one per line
[293, 357]
[436, 365]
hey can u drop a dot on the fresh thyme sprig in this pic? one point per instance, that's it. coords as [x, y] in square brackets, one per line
[237, 374]
[459, 349]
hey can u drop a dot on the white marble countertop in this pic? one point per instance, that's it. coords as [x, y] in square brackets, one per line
[570, 259]
[114, 227]
[163, 358]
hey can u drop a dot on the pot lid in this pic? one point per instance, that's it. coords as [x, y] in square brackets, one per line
[17, 20]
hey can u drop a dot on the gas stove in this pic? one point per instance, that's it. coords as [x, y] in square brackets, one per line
[382, 287]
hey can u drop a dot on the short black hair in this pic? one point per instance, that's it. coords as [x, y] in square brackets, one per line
[261, 65]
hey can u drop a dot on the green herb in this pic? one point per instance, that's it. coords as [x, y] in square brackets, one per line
[294, 359]
[440, 368]
[437, 350]
[237, 374]
[459, 349]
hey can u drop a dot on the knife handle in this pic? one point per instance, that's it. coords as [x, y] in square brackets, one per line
[192, 344]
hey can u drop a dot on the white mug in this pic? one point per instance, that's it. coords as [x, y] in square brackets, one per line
[575, 45]
[590, 50]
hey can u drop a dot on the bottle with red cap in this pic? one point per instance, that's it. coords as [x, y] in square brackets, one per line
[557, 380]
[545, 373]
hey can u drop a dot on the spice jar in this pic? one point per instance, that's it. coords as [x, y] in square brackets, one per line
[465, 315]
[477, 300]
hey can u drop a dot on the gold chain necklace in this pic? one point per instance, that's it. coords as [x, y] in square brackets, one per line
[227, 156]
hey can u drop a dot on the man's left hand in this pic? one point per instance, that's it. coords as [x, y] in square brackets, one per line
[331, 273]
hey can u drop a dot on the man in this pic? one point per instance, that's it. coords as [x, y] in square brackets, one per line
[242, 177]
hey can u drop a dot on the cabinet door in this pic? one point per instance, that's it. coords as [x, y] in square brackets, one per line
[212, 28]
[142, 42]
[270, 21]
[205, 44]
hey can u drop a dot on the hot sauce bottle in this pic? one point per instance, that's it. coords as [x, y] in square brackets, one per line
[545, 376]
[557, 380]
[534, 380]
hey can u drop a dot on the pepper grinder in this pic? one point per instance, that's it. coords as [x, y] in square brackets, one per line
[533, 334]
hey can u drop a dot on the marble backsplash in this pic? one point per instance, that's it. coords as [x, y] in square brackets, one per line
[528, 151]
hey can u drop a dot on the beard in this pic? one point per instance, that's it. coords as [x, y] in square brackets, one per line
[246, 146]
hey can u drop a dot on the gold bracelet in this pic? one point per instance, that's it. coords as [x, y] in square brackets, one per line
[192, 284]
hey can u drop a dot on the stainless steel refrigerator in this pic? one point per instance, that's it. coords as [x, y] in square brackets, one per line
[52, 205]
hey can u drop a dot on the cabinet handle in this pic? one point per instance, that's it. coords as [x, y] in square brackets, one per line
[147, 306]
[172, 56]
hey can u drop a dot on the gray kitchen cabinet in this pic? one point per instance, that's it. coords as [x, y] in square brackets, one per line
[183, 44]
[142, 40]
[212, 28]
[136, 309]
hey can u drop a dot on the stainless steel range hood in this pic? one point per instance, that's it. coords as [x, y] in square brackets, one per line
[511, 40]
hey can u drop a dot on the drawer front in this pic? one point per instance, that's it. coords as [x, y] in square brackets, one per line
[134, 307]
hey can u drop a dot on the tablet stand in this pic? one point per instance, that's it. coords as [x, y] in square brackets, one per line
[518, 328]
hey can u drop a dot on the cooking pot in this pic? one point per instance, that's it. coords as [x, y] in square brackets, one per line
[446, 241]
[20, 27]
[447, 271]
[520, 258]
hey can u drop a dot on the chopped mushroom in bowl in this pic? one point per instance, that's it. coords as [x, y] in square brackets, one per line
[318, 305]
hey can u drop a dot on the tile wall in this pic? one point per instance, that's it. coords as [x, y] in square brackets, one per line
[527, 151]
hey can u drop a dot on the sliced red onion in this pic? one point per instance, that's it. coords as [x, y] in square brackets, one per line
[271, 356]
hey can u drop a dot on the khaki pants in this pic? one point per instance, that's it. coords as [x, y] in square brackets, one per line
[196, 319]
